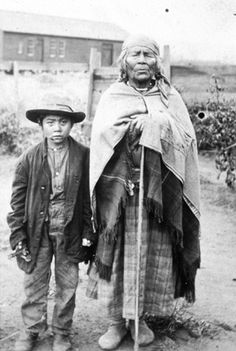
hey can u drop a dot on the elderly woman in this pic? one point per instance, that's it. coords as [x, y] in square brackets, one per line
[143, 112]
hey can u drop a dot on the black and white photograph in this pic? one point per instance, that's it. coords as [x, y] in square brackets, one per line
[117, 175]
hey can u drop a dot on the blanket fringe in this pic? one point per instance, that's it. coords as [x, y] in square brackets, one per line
[187, 273]
[104, 271]
[109, 235]
[176, 236]
[154, 208]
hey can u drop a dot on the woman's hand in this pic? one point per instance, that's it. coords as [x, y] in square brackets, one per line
[137, 122]
[86, 242]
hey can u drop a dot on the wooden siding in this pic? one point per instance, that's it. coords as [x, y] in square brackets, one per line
[26, 47]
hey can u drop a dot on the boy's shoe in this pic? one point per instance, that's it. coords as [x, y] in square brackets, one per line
[145, 335]
[26, 341]
[113, 337]
[61, 343]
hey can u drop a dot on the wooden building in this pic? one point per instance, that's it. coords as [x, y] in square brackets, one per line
[46, 39]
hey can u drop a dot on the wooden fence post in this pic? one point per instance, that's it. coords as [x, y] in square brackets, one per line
[94, 62]
[16, 83]
[166, 61]
[1, 45]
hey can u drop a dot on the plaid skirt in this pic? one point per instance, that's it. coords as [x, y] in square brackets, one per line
[157, 281]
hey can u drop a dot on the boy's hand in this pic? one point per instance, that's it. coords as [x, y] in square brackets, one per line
[86, 242]
[21, 250]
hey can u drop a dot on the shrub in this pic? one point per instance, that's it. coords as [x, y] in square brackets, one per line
[81, 133]
[9, 130]
[217, 131]
[28, 136]
[15, 139]
[217, 128]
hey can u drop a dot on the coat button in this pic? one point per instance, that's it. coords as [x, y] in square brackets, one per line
[41, 212]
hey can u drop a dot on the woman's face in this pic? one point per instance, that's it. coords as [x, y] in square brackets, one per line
[140, 65]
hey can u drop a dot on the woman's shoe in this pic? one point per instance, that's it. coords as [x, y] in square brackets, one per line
[113, 337]
[145, 334]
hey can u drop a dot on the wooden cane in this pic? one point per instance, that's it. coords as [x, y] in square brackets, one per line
[138, 248]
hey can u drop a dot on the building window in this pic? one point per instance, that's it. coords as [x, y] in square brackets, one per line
[30, 47]
[52, 48]
[61, 48]
[20, 48]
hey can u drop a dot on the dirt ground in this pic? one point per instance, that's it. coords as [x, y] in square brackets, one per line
[210, 324]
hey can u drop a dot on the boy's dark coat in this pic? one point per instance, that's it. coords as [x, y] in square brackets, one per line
[30, 200]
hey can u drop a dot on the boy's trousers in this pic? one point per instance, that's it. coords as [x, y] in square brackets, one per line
[36, 285]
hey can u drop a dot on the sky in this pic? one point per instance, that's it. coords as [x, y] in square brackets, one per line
[202, 30]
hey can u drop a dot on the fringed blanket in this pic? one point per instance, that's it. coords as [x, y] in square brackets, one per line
[171, 185]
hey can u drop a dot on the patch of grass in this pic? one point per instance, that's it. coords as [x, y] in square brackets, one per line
[182, 319]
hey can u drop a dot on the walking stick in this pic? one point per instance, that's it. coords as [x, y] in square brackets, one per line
[138, 246]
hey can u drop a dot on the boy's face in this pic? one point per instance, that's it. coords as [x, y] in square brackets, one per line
[56, 129]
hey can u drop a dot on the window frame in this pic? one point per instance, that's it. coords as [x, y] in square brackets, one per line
[52, 48]
[61, 48]
[20, 49]
[30, 46]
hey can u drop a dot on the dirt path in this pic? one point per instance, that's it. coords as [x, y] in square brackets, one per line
[214, 311]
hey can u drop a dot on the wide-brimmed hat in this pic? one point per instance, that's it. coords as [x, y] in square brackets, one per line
[36, 115]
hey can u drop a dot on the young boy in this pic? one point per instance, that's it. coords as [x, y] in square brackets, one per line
[51, 217]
